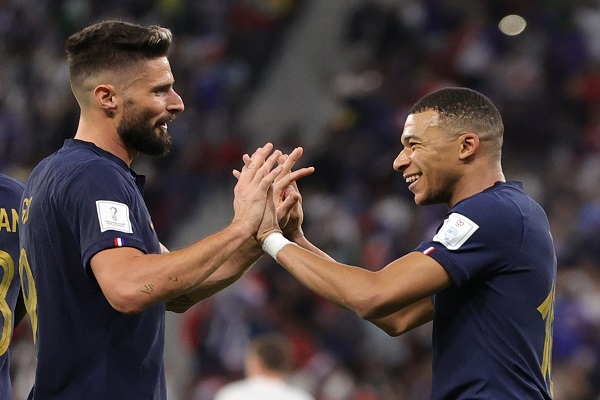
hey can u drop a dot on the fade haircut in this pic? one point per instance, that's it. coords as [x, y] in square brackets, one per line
[113, 45]
[463, 110]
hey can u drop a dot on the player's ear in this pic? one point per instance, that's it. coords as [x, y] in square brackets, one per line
[469, 145]
[105, 97]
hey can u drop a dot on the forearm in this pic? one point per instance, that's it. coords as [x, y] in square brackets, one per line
[341, 284]
[408, 318]
[303, 242]
[133, 281]
[372, 295]
[229, 272]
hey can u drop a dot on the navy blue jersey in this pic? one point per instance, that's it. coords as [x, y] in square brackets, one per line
[492, 328]
[77, 202]
[10, 198]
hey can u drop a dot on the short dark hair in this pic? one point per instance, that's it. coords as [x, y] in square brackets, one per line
[464, 110]
[113, 44]
[274, 351]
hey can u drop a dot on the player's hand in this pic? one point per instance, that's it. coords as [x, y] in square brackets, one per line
[287, 198]
[268, 224]
[285, 190]
[293, 227]
[254, 181]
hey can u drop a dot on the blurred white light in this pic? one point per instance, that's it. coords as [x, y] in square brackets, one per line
[512, 25]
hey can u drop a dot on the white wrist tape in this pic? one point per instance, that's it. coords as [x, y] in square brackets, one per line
[273, 243]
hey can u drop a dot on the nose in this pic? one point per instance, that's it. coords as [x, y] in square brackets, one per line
[175, 103]
[402, 161]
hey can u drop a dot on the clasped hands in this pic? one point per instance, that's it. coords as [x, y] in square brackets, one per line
[266, 196]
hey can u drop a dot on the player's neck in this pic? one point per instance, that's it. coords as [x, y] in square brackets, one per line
[476, 182]
[106, 137]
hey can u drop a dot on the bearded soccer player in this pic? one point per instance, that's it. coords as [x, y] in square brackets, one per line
[97, 277]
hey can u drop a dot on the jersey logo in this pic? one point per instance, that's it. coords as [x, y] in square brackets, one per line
[113, 216]
[455, 231]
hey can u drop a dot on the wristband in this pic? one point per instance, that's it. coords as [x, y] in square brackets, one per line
[273, 243]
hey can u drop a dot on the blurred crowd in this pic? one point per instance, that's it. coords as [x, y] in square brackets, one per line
[545, 82]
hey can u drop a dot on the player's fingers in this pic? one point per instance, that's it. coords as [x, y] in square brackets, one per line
[272, 160]
[295, 155]
[254, 163]
[269, 178]
[266, 168]
[246, 159]
[290, 160]
[292, 177]
[289, 190]
[286, 206]
[282, 159]
[258, 158]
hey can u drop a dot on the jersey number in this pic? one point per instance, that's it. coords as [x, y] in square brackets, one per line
[547, 311]
[29, 292]
[8, 269]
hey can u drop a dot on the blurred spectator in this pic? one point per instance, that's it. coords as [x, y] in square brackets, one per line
[267, 363]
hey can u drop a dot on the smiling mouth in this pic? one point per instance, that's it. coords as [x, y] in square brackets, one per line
[412, 178]
[163, 125]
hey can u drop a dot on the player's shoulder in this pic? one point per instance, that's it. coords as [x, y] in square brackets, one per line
[9, 184]
[80, 162]
[501, 210]
[79, 153]
[502, 201]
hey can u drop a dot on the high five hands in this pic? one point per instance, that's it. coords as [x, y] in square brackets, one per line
[280, 200]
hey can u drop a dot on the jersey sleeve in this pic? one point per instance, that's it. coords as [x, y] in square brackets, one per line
[479, 236]
[101, 203]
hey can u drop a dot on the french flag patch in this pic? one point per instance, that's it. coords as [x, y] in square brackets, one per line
[119, 242]
[428, 250]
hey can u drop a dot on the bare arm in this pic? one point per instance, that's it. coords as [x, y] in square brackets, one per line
[230, 271]
[395, 323]
[396, 298]
[133, 281]
[392, 322]
[371, 295]
[408, 318]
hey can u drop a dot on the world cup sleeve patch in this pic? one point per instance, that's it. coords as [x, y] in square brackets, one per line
[113, 216]
[455, 231]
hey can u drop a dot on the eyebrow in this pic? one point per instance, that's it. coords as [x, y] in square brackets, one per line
[407, 137]
[163, 86]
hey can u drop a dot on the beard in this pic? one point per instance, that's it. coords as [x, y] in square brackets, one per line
[138, 133]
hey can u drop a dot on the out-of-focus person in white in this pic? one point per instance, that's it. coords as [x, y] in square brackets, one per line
[268, 363]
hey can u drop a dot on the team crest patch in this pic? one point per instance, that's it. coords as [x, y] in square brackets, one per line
[113, 216]
[455, 231]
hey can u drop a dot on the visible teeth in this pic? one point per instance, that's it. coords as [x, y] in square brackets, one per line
[412, 178]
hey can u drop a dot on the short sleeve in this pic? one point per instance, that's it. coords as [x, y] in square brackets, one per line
[101, 201]
[480, 236]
